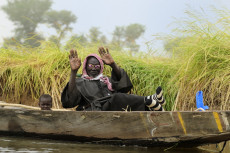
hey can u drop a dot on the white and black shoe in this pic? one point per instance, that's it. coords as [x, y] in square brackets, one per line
[159, 96]
[156, 101]
[152, 103]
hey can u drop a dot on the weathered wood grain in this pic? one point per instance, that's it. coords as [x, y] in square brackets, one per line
[129, 128]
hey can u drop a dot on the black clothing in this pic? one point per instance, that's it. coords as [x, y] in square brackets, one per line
[95, 95]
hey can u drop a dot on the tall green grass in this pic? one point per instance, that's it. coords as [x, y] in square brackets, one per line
[204, 57]
[27, 73]
[200, 62]
[204, 66]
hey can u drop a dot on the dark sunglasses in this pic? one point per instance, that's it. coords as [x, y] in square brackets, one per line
[95, 66]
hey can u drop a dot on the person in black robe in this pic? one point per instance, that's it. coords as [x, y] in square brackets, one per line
[95, 92]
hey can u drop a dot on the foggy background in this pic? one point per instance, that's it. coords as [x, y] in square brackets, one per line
[157, 17]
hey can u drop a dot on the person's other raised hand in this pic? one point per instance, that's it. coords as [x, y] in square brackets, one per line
[105, 55]
[75, 62]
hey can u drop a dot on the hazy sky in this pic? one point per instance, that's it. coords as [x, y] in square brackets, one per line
[156, 15]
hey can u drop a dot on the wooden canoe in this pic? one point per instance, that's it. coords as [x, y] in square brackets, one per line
[120, 128]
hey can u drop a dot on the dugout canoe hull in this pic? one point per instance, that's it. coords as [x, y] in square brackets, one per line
[120, 128]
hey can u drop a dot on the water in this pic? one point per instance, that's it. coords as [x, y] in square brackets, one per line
[9, 144]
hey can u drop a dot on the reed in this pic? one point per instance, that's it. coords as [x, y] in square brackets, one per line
[28, 73]
[205, 66]
[204, 55]
[200, 62]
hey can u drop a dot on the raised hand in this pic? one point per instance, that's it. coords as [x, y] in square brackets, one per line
[105, 56]
[74, 61]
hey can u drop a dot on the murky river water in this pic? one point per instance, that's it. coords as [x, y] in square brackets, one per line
[27, 144]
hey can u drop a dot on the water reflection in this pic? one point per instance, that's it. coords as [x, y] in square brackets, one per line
[20, 144]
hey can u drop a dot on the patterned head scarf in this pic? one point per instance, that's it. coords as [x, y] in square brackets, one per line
[100, 76]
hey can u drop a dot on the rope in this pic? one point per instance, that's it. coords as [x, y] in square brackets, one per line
[223, 147]
[200, 109]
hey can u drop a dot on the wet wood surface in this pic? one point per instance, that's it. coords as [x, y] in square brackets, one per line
[129, 128]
